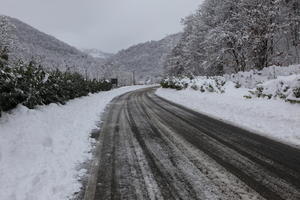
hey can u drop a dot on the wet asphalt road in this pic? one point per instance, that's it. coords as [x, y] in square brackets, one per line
[150, 148]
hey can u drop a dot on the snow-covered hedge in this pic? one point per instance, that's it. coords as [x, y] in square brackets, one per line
[284, 87]
[31, 85]
[271, 82]
[177, 83]
[208, 84]
[199, 83]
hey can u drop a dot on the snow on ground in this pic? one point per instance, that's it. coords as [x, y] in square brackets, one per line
[251, 78]
[41, 149]
[272, 118]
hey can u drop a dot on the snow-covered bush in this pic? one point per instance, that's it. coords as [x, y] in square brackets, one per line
[208, 84]
[175, 83]
[284, 87]
[198, 83]
[271, 82]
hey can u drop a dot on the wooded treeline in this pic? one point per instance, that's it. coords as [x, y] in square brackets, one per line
[31, 85]
[225, 36]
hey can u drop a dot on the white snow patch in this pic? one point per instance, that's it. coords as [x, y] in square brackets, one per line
[40, 149]
[272, 118]
[251, 78]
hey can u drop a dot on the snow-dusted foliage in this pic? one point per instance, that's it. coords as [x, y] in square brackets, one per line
[143, 62]
[6, 28]
[31, 85]
[26, 43]
[283, 87]
[271, 82]
[225, 36]
[176, 83]
[198, 83]
[209, 84]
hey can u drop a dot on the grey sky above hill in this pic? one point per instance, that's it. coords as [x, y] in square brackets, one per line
[109, 25]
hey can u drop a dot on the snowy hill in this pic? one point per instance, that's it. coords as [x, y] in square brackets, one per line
[96, 53]
[28, 43]
[146, 60]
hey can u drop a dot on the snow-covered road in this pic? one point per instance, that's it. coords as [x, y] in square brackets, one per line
[150, 148]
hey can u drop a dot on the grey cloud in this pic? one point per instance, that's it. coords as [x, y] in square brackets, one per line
[109, 25]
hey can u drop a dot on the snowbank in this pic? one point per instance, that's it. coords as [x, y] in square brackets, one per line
[41, 149]
[272, 118]
[251, 78]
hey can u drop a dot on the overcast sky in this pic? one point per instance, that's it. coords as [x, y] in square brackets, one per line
[109, 25]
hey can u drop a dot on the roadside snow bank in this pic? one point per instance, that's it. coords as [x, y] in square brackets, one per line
[272, 118]
[40, 149]
[250, 79]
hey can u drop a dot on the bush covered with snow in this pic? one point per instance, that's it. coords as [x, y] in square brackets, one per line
[31, 85]
[175, 83]
[208, 84]
[199, 83]
[284, 87]
[272, 83]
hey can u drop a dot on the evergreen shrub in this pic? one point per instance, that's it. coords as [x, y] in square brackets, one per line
[31, 85]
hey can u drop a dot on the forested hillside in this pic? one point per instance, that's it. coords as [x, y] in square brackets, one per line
[26, 43]
[37, 69]
[144, 61]
[225, 36]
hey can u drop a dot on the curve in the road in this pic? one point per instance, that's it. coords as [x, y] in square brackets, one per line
[150, 148]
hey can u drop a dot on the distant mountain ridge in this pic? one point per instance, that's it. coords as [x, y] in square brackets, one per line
[28, 43]
[96, 53]
[144, 61]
